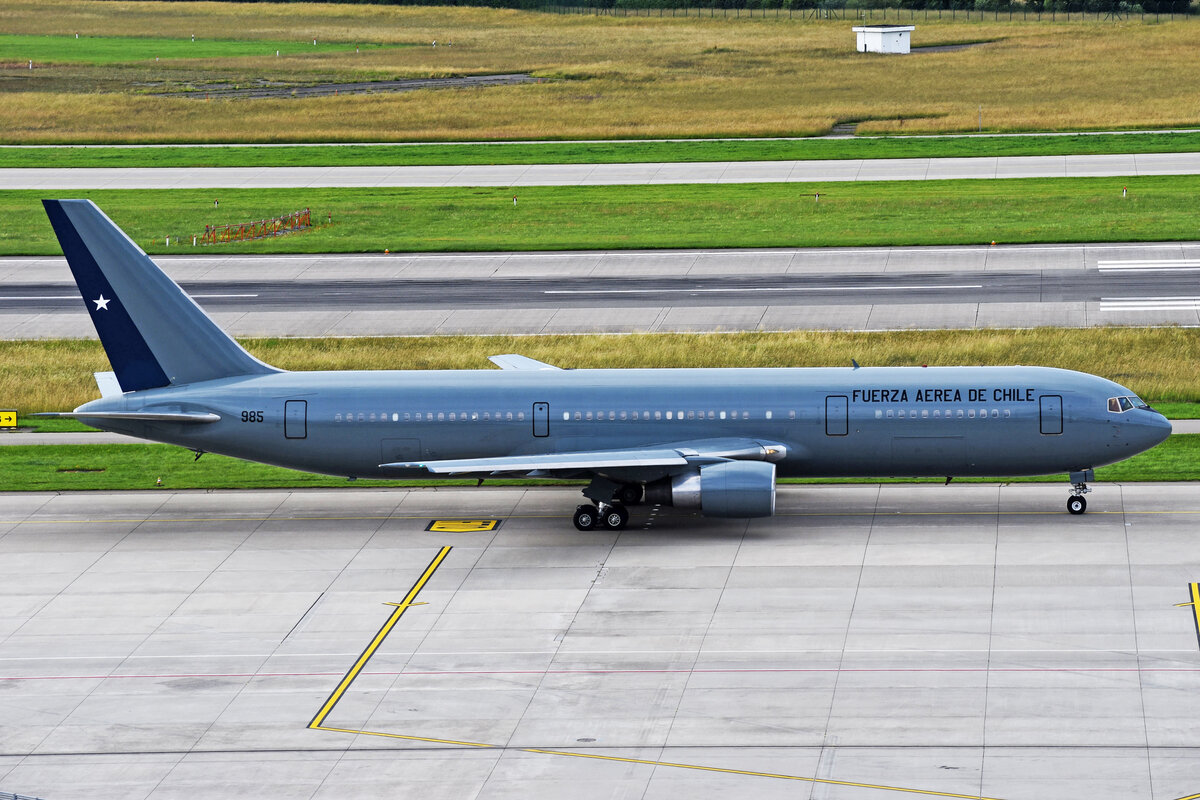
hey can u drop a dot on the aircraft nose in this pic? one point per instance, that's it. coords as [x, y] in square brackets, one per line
[1151, 428]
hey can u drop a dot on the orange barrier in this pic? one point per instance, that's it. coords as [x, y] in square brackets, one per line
[276, 226]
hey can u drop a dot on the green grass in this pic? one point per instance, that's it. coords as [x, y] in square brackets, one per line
[598, 152]
[125, 49]
[120, 467]
[695, 215]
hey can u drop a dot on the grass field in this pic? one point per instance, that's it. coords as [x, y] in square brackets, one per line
[605, 77]
[56, 375]
[117, 467]
[697, 215]
[123, 49]
[598, 152]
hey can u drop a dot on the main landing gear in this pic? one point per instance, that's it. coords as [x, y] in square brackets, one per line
[1076, 504]
[607, 510]
[606, 515]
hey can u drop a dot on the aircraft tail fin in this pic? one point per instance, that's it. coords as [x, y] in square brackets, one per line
[154, 334]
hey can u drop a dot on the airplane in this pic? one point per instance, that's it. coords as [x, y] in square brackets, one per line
[707, 440]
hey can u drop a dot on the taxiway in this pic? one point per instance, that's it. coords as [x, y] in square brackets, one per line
[890, 169]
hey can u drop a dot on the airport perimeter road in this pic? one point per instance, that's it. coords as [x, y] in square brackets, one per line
[869, 642]
[897, 169]
[656, 291]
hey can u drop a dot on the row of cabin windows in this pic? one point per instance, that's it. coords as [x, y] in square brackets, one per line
[430, 416]
[519, 416]
[950, 413]
[589, 416]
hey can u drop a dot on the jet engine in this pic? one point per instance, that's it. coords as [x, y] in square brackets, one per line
[725, 489]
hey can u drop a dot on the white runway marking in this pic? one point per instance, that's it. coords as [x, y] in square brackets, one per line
[1181, 264]
[769, 289]
[1149, 304]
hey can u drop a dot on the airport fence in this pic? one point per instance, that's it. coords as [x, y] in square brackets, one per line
[264, 228]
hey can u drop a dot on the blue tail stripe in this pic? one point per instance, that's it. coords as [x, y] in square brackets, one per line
[132, 361]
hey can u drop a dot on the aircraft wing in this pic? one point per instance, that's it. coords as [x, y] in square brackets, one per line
[515, 361]
[680, 454]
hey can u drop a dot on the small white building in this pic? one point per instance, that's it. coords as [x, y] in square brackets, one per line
[884, 38]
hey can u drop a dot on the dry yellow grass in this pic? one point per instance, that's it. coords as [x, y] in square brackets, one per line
[57, 375]
[607, 77]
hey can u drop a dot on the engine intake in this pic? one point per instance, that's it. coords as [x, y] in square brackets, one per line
[727, 489]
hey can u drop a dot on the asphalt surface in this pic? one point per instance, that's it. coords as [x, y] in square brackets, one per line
[972, 641]
[682, 290]
[900, 169]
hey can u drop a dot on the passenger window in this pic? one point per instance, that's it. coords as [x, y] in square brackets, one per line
[889, 414]
[792, 414]
[960, 414]
[1007, 413]
[924, 413]
[658, 415]
[937, 414]
[520, 415]
[971, 413]
[670, 415]
[900, 413]
[995, 413]
[508, 417]
[878, 414]
[768, 415]
[722, 415]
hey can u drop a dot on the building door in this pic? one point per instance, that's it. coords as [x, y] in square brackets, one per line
[1052, 416]
[295, 419]
[541, 419]
[837, 408]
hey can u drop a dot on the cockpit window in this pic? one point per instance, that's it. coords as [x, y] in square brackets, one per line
[1118, 405]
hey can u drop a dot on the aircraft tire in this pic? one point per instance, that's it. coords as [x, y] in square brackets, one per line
[1076, 504]
[616, 518]
[630, 494]
[586, 518]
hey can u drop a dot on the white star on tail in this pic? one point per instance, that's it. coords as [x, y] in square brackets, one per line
[102, 303]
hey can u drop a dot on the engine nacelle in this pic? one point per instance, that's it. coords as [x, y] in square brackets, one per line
[727, 489]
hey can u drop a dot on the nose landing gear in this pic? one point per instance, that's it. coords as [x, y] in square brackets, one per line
[1076, 504]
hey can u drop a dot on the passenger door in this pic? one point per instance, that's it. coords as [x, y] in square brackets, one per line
[541, 419]
[837, 409]
[295, 419]
[1051, 414]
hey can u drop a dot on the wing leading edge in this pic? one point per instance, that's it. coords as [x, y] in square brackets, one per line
[679, 454]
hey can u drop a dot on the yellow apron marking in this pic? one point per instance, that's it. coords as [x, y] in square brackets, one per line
[401, 607]
[8, 419]
[1194, 592]
[463, 525]
[1191, 796]
[674, 764]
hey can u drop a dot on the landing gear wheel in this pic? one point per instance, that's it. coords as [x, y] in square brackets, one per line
[1076, 504]
[586, 517]
[615, 518]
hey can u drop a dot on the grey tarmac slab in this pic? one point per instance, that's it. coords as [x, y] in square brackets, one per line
[65, 179]
[969, 640]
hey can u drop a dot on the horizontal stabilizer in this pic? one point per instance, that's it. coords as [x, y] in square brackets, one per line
[514, 361]
[108, 384]
[187, 417]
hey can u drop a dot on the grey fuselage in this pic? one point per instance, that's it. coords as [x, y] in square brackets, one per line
[834, 422]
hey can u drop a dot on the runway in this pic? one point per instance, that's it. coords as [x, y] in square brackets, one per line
[868, 642]
[897, 169]
[650, 291]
